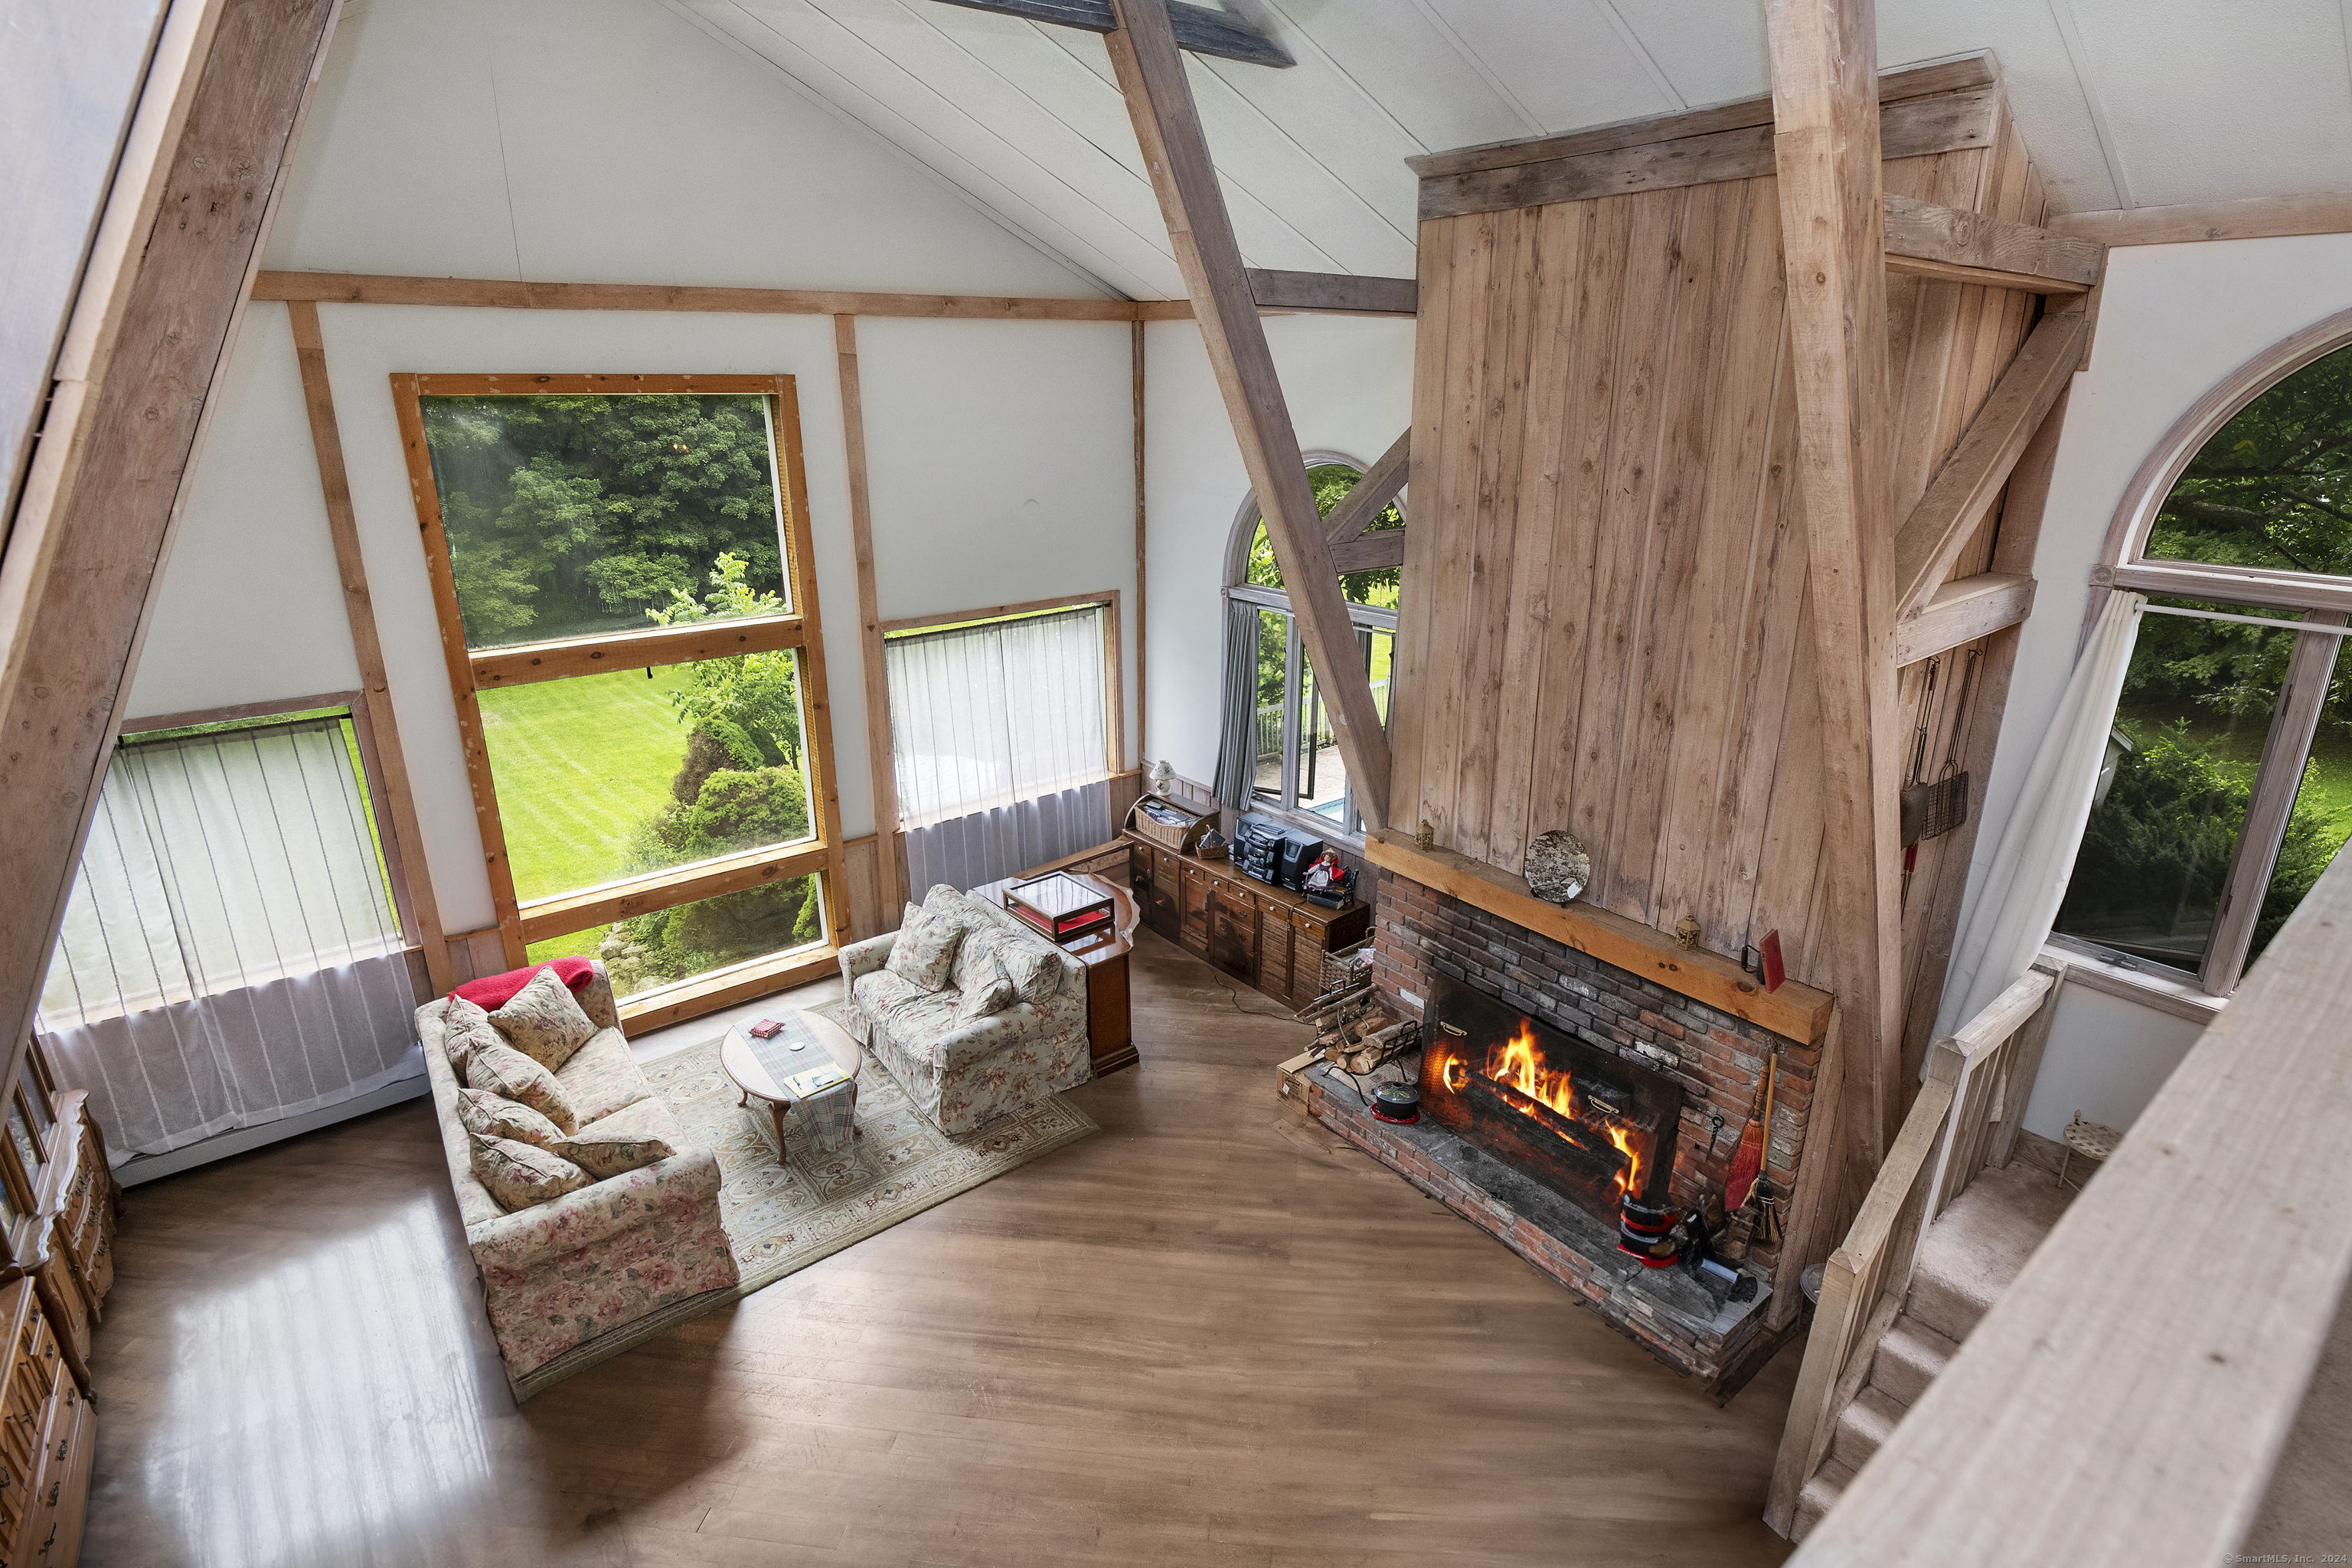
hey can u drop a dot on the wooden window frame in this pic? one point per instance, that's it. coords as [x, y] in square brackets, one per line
[2294, 721]
[1114, 673]
[473, 670]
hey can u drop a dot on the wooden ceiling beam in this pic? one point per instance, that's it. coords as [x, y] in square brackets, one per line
[93, 528]
[1334, 293]
[1152, 75]
[2256, 217]
[1371, 494]
[1373, 553]
[1198, 29]
[1826, 150]
[1935, 241]
[1965, 488]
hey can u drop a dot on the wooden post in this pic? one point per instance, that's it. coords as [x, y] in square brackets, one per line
[1826, 150]
[1143, 735]
[94, 528]
[343, 524]
[1159, 101]
[889, 876]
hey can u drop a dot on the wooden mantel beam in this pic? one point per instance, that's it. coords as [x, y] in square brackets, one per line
[1826, 150]
[1160, 101]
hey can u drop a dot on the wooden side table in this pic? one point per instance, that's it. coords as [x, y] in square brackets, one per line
[1110, 1028]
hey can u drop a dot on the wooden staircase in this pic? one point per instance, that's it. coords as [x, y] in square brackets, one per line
[1966, 1260]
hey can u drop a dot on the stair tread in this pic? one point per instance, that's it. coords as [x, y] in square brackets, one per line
[1980, 1245]
[1910, 1357]
[1820, 1494]
[1863, 1426]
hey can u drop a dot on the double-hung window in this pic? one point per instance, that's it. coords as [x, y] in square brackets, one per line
[628, 611]
[1296, 766]
[2228, 784]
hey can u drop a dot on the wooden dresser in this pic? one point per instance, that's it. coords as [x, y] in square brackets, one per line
[1273, 939]
[59, 1202]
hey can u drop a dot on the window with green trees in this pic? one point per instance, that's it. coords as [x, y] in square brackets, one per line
[2228, 788]
[1298, 763]
[629, 579]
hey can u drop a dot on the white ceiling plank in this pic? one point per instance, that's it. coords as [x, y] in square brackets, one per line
[1712, 51]
[2269, 78]
[817, 84]
[1614, 16]
[937, 121]
[1563, 63]
[2070, 29]
[1402, 59]
[2049, 99]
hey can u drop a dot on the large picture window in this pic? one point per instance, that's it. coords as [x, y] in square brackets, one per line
[2228, 787]
[1298, 767]
[623, 572]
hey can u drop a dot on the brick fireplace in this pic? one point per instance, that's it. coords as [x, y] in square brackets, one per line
[1430, 948]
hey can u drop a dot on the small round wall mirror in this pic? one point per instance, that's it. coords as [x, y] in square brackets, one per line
[1558, 867]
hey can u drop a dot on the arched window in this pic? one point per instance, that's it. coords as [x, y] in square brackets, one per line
[2227, 786]
[1294, 764]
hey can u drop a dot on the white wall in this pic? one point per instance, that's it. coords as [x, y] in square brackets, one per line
[635, 149]
[1349, 381]
[2173, 319]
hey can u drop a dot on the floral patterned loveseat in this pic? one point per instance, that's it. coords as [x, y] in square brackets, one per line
[556, 1275]
[964, 1075]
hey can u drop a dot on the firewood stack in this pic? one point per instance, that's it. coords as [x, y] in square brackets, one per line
[1356, 1033]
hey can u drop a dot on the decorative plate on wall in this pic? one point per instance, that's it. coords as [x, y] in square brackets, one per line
[1558, 867]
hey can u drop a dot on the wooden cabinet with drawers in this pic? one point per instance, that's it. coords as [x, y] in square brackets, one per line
[1274, 940]
[59, 1200]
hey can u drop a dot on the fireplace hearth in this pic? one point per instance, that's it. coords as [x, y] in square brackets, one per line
[1593, 1127]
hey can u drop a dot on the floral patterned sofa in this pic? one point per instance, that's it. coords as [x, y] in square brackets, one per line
[556, 1275]
[963, 1075]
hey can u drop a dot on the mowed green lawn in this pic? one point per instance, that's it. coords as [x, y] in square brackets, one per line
[579, 765]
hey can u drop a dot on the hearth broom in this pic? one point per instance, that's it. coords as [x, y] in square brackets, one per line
[1747, 1160]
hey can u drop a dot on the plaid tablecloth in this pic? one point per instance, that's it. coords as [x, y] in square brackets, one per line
[828, 1115]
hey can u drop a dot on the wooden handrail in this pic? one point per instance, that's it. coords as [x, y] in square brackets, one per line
[1964, 1120]
[2125, 1400]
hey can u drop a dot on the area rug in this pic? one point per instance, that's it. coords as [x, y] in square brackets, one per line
[783, 1218]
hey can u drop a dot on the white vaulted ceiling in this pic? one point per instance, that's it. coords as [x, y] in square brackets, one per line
[2123, 102]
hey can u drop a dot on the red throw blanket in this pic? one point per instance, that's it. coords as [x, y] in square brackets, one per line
[493, 991]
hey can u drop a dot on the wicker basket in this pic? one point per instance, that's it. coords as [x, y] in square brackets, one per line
[1345, 971]
[1179, 840]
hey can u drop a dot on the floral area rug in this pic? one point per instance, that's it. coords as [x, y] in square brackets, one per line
[784, 1216]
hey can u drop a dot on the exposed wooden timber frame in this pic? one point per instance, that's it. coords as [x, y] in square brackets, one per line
[1934, 241]
[379, 723]
[1142, 598]
[881, 757]
[1199, 29]
[1326, 293]
[2258, 218]
[1371, 495]
[1159, 102]
[1826, 150]
[1965, 489]
[471, 672]
[156, 316]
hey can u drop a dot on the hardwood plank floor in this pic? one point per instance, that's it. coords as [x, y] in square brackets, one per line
[1211, 1334]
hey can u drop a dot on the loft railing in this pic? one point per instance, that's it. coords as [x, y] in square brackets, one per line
[2125, 1401]
[1964, 1121]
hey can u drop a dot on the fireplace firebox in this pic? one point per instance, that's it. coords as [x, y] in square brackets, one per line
[1593, 1127]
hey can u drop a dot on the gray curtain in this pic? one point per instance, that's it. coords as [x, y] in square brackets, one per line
[966, 851]
[1237, 728]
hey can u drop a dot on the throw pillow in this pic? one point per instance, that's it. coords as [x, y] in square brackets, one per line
[488, 1116]
[1036, 974]
[633, 1136]
[544, 1021]
[924, 951]
[985, 995]
[511, 1075]
[519, 1175]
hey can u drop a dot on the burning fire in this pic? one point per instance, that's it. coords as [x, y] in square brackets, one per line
[1518, 1063]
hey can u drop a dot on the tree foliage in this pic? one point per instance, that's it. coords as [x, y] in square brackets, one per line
[2155, 852]
[568, 516]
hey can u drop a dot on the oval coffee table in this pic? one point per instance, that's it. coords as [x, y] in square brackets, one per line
[739, 1060]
